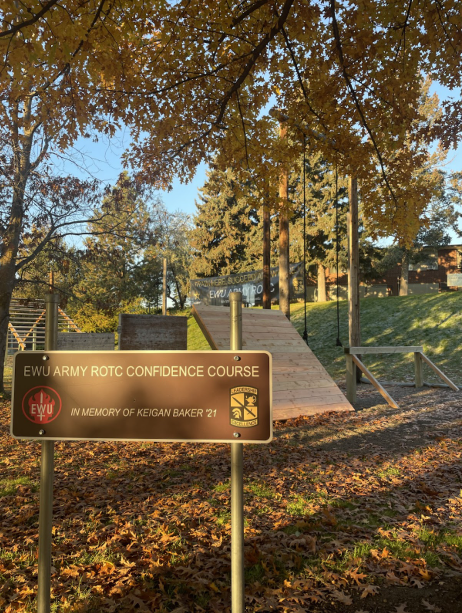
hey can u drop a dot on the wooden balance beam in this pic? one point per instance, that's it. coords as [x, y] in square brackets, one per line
[352, 361]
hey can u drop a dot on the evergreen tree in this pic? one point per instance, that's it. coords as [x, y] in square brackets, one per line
[227, 233]
[323, 221]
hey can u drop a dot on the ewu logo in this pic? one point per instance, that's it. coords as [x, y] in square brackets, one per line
[41, 405]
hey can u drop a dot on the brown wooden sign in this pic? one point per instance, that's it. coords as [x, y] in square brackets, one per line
[201, 396]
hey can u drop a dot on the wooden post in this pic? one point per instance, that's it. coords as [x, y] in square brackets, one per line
[418, 368]
[322, 290]
[266, 258]
[51, 282]
[350, 378]
[164, 288]
[284, 279]
[354, 330]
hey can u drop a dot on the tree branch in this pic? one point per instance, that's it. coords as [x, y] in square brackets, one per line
[28, 22]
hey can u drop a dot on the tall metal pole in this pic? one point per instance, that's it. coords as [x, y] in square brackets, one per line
[305, 331]
[237, 479]
[266, 257]
[164, 287]
[46, 476]
[354, 330]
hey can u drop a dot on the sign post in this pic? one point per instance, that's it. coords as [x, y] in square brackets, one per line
[169, 396]
[46, 476]
[237, 484]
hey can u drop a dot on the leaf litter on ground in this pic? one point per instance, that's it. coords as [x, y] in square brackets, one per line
[339, 509]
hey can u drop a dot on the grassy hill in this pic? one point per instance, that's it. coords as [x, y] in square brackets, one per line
[431, 320]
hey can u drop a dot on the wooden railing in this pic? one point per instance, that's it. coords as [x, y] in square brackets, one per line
[353, 362]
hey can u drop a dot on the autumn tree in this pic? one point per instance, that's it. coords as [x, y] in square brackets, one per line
[173, 231]
[441, 217]
[193, 81]
[52, 207]
[58, 59]
[348, 76]
[114, 254]
[57, 265]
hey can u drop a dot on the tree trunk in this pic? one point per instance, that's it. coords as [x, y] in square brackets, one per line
[322, 293]
[284, 281]
[354, 329]
[8, 272]
[22, 146]
[266, 258]
[404, 277]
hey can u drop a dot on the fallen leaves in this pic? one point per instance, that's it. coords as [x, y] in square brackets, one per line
[146, 526]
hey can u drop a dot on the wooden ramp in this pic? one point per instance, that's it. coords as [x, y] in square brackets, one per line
[301, 385]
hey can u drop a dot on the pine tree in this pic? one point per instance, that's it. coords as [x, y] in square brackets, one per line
[227, 237]
[323, 221]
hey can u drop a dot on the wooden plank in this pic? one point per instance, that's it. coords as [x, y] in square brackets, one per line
[86, 341]
[441, 374]
[397, 349]
[374, 382]
[155, 332]
[69, 320]
[200, 322]
[350, 378]
[303, 384]
[16, 336]
[418, 369]
[300, 395]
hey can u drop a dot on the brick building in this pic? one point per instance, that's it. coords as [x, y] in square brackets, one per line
[429, 275]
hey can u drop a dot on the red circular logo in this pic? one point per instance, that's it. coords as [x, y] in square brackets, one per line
[41, 404]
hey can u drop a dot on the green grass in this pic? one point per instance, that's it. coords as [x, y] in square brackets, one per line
[8, 487]
[196, 340]
[431, 320]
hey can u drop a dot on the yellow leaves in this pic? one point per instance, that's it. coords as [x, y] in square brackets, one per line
[71, 572]
[425, 574]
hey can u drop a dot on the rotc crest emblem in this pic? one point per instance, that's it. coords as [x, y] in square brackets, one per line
[243, 411]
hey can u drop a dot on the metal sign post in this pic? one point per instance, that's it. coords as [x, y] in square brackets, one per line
[197, 396]
[46, 476]
[237, 481]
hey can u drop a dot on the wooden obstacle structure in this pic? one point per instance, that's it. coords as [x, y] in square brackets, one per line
[353, 361]
[301, 385]
[87, 341]
[152, 332]
[26, 327]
